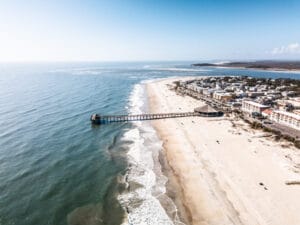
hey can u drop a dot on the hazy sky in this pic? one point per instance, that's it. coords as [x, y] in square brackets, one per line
[60, 30]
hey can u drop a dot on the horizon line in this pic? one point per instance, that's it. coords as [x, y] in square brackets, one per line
[136, 61]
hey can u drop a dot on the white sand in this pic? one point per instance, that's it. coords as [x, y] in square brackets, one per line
[220, 167]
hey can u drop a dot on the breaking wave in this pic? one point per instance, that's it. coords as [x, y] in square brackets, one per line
[146, 184]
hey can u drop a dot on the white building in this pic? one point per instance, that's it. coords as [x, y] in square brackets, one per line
[208, 92]
[286, 118]
[222, 96]
[250, 107]
[196, 88]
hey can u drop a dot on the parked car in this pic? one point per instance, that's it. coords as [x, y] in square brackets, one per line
[267, 122]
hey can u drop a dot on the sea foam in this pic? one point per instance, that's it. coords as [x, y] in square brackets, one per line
[144, 185]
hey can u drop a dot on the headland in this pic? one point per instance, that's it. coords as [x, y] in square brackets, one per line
[262, 65]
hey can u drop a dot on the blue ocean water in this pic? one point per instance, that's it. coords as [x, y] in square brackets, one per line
[55, 167]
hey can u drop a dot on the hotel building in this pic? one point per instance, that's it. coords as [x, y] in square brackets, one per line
[251, 107]
[286, 118]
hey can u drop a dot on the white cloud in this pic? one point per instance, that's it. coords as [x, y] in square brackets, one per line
[293, 48]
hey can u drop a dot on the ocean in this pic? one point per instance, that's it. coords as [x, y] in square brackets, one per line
[56, 168]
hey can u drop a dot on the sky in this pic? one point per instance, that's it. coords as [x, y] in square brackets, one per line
[142, 30]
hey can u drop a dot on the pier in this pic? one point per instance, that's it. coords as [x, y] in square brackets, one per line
[105, 119]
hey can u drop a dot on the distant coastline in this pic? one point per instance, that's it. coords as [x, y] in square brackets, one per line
[260, 65]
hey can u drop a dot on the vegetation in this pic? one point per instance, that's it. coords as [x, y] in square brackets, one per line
[278, 134]
[286, 65]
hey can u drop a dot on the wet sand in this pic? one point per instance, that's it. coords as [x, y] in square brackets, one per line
[225, 172]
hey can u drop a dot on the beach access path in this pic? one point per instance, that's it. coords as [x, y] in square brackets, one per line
[227, 173]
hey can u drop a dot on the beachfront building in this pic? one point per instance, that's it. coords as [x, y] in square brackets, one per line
[286, 118]
[208, 92]
[222, 96]
[253, 107]
[195, 87]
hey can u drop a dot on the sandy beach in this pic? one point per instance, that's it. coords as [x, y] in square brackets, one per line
[225, 172]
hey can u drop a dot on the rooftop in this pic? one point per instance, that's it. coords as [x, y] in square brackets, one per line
[206, 109]
[256, 104]
[268, 111]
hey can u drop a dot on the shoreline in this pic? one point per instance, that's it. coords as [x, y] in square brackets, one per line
[144, 181]
[174, 191]
[219, 182]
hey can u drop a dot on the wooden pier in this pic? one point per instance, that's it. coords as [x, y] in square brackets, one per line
[105, 119]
